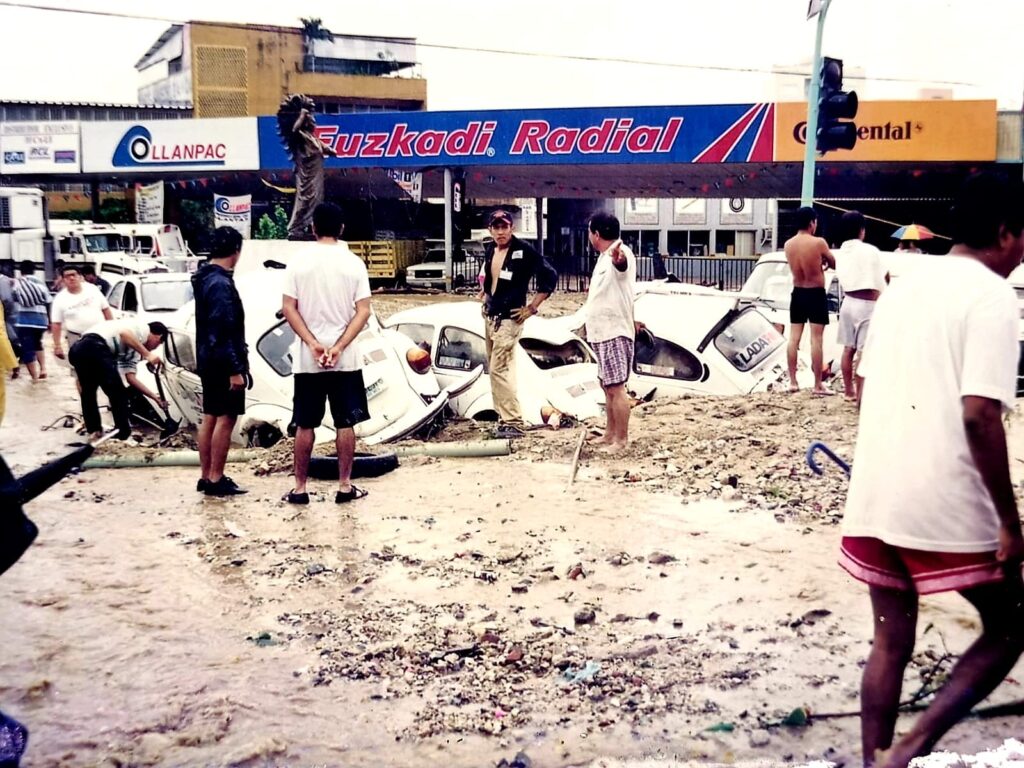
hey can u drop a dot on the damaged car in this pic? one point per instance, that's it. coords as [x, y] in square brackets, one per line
[402, 392]
[555, 369]
[697, 340]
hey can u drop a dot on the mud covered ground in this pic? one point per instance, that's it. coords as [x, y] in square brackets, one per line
[678, 601]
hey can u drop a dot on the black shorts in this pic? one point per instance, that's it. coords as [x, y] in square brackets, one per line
[218, 397]
[344, 390]
[808, 305]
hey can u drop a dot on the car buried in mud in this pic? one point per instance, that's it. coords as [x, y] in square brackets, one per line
[402, 392]
[555, 369]
[697, 340]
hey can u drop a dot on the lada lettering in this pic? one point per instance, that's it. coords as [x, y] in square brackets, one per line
[537, 137]
[473, 139]
[756, 347]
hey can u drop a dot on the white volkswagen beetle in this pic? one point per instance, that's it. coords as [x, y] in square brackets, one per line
[554, 367]
[701, 340]
[401, 390]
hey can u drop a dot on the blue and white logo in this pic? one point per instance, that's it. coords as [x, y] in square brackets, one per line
[14, 158]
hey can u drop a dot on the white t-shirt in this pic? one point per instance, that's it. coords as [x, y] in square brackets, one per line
[937, 335]
[859, 267]
[327, 281]
[78, 312]
[609, 307]
[110, 332]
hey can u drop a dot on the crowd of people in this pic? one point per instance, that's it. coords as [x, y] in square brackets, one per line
[930, 360]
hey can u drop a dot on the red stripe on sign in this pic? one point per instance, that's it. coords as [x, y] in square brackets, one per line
[763, 150]
[722, 146]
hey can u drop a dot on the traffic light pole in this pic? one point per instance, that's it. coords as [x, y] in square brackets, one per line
[810, 141]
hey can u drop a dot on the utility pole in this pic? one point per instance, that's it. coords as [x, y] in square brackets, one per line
[810, 141]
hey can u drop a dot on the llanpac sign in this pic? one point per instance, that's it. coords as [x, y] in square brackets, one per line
[171, 145]
[721, 133]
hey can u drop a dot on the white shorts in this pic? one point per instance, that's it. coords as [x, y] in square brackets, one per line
[854, 319]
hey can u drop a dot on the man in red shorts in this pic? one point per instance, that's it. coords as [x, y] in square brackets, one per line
[931, 505]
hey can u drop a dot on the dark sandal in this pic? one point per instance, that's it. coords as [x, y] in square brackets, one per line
[296, 498]
[342, 497]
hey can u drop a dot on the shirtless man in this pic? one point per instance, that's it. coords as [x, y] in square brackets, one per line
[808, 257]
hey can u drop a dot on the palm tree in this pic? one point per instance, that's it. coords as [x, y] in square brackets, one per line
[313, 29]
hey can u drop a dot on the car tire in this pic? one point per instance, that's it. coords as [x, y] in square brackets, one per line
[364, 465]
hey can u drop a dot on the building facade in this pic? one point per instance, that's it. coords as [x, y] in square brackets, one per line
[237, 70]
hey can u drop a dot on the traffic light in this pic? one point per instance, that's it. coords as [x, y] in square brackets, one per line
[835, 107]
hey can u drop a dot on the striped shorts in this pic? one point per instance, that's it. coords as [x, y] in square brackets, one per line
[614, 360]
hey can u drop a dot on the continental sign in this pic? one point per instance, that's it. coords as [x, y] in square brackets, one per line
[900, 131]
[735, 133]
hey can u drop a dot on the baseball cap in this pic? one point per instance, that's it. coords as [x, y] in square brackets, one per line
[499, 216]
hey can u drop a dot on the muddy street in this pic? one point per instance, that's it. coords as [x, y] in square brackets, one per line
[680, 600]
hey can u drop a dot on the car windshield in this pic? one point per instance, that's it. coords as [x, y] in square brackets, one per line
[748, 340]
[772, 282]
[548, 356]
[103, 243]
[166, 296]
[275, 347]
[434, 257]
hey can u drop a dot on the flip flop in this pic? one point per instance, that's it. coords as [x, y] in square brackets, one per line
[296, 498]
[343, 497]
[825, 393]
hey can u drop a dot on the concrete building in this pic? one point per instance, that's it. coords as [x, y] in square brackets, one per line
[237, 70]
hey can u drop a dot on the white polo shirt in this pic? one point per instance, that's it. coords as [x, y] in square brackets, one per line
[937, 335]
[78, 312]
[859, 266]
[326, 281]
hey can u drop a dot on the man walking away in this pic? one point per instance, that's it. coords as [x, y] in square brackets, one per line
[76, 308]
[327, 303]
[808, 257]
[222, 357]
[101, 356]
[509, 265]
[32, 321]
[609, 323]
[862, 278]
[931, 506]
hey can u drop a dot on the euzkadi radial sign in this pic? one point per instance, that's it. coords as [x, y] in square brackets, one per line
[720, 133]
[160, 146]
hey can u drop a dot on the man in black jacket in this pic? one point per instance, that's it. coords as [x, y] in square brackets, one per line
[223, 359]
[509, 266]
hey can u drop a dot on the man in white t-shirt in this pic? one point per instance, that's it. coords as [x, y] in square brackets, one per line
[862, 278]
[931, 506]
[76, 308]
[609, 323]
[327, 303]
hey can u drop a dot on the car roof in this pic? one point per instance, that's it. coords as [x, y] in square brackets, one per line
[683, 313]
[466, 315]
[158, 277]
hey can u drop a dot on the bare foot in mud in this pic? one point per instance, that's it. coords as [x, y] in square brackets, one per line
[615, 447]
[794, 388]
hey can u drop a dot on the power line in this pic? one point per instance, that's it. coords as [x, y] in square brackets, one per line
[528, 54]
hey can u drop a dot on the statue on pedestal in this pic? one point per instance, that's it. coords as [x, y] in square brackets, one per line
[297, 129]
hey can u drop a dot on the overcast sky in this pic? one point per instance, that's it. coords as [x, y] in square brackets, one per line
[901, 46]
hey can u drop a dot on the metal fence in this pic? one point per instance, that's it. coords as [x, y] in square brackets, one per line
[574, 273]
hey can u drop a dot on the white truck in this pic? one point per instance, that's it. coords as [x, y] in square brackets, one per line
[23, 231]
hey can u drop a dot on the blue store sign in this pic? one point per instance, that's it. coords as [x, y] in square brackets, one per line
[615, 135]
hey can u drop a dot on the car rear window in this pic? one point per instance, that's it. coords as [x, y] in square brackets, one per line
[421, 333]
[748, 340]
[460, 350]
[275, 345]
[548, 356]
